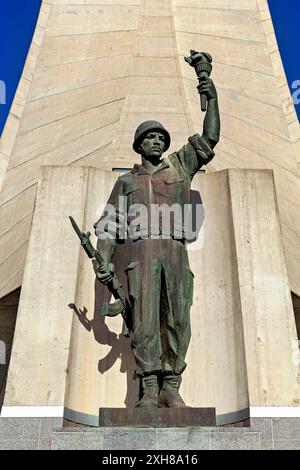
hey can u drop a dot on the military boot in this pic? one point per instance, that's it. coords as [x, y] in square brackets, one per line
[169, 395]
[150, 392]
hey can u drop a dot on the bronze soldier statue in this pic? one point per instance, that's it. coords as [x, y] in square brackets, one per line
[160, 282]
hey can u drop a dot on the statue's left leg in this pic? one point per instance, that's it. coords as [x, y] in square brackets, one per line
[169, 396]
[175, 314]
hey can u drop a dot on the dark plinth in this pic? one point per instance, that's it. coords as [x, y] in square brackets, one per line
[157, 417]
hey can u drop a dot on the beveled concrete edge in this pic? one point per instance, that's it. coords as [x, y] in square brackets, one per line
[233, 417]
[92, 420]
[81, 418]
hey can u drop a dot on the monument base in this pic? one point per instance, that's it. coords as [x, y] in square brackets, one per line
[157, 417]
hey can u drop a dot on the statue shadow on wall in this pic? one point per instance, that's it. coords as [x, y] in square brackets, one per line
[120, 345]
[196, 218]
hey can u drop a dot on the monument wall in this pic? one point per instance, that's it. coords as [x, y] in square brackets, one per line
[68, 360]
[96, 69]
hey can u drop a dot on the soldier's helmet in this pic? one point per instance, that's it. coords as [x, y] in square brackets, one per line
[148, 126]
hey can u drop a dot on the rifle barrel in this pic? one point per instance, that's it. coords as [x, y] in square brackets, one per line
[75, 227]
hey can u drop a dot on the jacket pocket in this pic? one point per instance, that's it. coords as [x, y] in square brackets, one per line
[134, 195]
[169, 181]
[132, 265]
[132, 190]
[174, 189]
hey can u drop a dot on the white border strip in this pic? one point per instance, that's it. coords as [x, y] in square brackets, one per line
[32, 412]
[58, 412]
[275, 411]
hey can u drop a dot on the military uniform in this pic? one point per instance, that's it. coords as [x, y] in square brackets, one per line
[160, 282]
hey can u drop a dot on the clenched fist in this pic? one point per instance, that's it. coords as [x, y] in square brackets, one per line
[106, 273]
[208, 88]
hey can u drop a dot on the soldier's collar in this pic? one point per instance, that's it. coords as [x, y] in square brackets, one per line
[141, 170]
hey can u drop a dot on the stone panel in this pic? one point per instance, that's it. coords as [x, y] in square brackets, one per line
[130, 439]
[235, 441]
[235, 24]
[81, 19]
[69, 49]
[77, 441]
[46, 351]
[53, 108]
[56, 134]
[287, 444]
[286, 428]
[62, 78]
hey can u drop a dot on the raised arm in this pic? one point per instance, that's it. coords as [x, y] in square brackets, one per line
[211, 124]
[199, 150]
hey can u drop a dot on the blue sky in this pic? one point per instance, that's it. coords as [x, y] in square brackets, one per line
[17, 23]
[286, 20]
[18, 19]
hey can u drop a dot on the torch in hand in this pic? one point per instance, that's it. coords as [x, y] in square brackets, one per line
[201, 61]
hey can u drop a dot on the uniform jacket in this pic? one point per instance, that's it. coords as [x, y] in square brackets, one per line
[168, 185]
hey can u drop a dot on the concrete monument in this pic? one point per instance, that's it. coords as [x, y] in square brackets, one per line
[94, 72]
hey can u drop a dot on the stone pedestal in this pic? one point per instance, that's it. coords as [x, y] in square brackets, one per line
[157, 417]
[48, 433]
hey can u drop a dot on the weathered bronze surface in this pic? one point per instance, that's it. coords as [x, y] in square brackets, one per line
[201, 61]
[157, 417]
[160, 281]
[121, 304]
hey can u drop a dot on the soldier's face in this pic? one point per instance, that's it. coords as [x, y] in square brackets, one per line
[153, 145]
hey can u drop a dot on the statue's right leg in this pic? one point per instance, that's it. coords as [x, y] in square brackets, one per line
[144, 280]
[150, 391]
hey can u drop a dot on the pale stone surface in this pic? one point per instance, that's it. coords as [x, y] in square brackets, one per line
[69, 49]
[30, 436]
[287, 444]
[240, 287]
[77, 440]
[49, 285]
[247, 109]
[218, 4]
[286, 428]
[91, 376]
[12, 269]
[71, 152]
[3, 167]
[235, 441]
[75, 19]
[234, 24]
[216, 316]
[268, 320]
[96, 2]
[21, 444]
[8, 135]
[53, 108]
[110, 65]
[264, 426]
[13, 238]
[61, 78]
[59, 133]
[238, 81]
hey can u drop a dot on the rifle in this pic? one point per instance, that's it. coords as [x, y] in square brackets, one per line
[121, 304]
